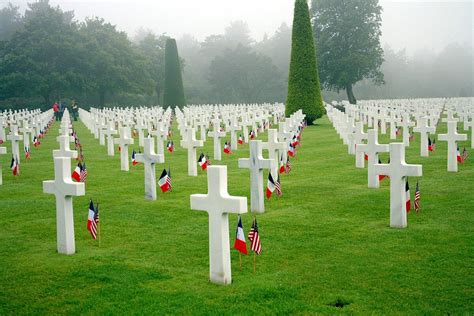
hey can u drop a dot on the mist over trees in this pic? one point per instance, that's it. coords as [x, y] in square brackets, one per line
[47, 55]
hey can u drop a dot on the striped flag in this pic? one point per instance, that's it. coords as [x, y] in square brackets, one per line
[278, 186]
[270, 186]
[254, 238]
[288, 166]
[168, 179]
[134, 159]
[282, 165]
[240, 243]
[83, 175]
[465, 154]
[93, 220]
[76, 174]
[15, 166]
[163, 182]
[202, 161]
[417, 197]
[27, 152]
[407, 197]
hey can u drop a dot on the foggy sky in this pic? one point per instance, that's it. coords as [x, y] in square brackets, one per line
[414, 25]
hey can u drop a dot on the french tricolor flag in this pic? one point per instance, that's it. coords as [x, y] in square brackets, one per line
[134, 159]
[241, 140]
[291, 150]
[227, 148]
[270, 186]
[76, 174]
[407, 197]
[240, 243]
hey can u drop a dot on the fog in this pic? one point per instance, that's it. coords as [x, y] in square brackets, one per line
[412, 25]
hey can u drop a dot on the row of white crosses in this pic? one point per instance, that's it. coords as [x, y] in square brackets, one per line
[218, 203]
[24, 125]
[64, 189]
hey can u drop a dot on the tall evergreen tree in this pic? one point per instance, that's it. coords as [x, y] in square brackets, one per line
[304, 91]
[174, 91]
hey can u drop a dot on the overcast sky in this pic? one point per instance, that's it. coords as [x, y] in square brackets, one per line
[414, 25]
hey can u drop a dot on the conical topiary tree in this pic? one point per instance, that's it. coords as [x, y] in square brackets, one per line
[173, 92]
[304, 91]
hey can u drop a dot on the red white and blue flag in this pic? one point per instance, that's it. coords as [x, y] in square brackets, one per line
[227, 148]
[282, 165]
[254, 238]
[240, 243]
[241, 140]
[407, 197]
[27, 152]
[270, 186]
[291, 150]
[93, 220]
[203, 162]
[163, 182]
[278, 187]
[417, 197]
[83, 175]
[76, 174]
[15, 166]
[170, 146]
[134, 158]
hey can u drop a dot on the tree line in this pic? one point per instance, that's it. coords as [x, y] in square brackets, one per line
[47, 55]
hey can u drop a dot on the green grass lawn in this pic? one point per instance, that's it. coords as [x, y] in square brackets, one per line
[326, 241]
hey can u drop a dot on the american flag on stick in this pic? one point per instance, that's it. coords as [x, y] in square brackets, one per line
[417, 197]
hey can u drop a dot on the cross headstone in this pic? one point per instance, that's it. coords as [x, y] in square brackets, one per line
[256, 163]
[191, 144]
[140, 127]
[452, 137]
[27, 131]
[372, 150]
[406, 124]
[398, 170]
[149, 158]
[64, 189]
[233, 128]
[275, 149]
[216, 134]
[218, 204]
[423, 128]
[124, 141]
[356, 138]
[110, 131]
[470, 125]
[64, 150]
[15, 138]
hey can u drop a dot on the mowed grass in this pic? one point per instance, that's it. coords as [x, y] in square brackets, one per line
[326, 242]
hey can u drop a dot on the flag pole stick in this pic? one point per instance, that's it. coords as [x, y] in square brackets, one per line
[240, 260]
[254, 254]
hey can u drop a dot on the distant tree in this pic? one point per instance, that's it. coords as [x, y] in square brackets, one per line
[237, 33]
[348, 37]
[113, 65]
[303, 83]
[242, 75]
[174, 90]
[10, 21]
[153, 49]
[43, 57]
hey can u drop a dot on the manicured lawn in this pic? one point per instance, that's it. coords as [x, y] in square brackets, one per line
[326, 241]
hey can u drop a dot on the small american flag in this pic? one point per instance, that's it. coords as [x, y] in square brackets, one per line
[465, 154]
[168, 179]
[417, 197]
[278, 186]
[254, 238]
[93, 219]
[83, 172]
[288, 165]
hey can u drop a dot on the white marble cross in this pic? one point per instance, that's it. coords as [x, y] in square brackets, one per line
[372, 150]
[190, 143]
[356, 138]
[161, 135]
[15, 138]
[256, 163]
[64, 150]
[406, 124]
[140, 127]
[423, 128]
[233, 128]
[470, 125]
[2, 129]
[452, 137]
[3, 151]
[110, 131]
[27, 131]
[398, 170]
[218, 204]
[275, 149]
[149, 158]
[124, 141]
[64, 189]
[216, 134]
